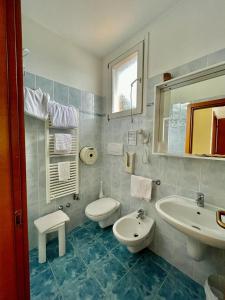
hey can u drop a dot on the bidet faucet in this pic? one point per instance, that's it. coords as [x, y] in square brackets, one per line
[141, 214]
[200, 199]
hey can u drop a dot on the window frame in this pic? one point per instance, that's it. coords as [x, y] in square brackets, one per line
[139, 48]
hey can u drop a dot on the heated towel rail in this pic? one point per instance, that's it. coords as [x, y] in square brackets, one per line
[55, 188]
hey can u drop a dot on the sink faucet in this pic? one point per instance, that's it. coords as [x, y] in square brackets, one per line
[141, 214]
[200, 199]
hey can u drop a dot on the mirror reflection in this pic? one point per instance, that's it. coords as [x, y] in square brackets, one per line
[192, 119]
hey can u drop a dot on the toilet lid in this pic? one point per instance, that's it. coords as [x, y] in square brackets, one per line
[101, 207]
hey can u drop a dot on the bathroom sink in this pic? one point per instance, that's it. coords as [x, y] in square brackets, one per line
[198, 223]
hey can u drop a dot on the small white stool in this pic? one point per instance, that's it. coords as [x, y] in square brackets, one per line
[50, 223]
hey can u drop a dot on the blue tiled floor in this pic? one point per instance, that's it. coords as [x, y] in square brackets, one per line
[97, 267]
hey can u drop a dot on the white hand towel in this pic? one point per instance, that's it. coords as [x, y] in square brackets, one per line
[141, 187]
[62, 143]
[64, 171]
[62, 116]
[36, 103]
[51, 220]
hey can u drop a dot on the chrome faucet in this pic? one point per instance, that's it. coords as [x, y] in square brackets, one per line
[141, 214]
[200, 199]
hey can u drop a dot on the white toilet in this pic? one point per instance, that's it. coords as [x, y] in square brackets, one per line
[105, 211]
[134, 232]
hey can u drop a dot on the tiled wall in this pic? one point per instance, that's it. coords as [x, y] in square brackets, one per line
[91, 112]
[178, 176]
[177, 128]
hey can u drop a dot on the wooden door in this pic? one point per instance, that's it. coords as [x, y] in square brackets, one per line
[220, 149]
[214, 134]
[14, 271]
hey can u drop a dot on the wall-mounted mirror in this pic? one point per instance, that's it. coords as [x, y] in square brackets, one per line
[190, 115]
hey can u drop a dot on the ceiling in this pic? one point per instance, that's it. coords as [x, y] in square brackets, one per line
[96, 25]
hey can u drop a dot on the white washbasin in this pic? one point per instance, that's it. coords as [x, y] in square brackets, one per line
[198, 223]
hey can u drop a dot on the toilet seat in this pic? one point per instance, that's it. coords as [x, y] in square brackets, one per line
[101, 207]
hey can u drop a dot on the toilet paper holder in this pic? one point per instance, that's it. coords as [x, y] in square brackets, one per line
[76, 197]
[88, 155]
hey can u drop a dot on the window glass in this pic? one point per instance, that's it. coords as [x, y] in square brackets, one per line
[123, 74]
[126, 83]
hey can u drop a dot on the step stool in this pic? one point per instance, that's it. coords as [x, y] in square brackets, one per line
[51, 223]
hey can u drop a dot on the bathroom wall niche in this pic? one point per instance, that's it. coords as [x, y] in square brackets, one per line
[189, 116]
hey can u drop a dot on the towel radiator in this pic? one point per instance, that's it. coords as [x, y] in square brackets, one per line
[54, 188]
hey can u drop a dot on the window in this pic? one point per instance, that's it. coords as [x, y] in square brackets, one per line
[126, 83]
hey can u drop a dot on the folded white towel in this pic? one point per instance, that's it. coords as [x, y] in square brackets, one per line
[51, 220]
[141, 187]
[62, 143]
[64, 171]
[62, 116]
[36, 103]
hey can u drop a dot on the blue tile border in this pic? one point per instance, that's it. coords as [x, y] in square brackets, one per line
[92, 104]
[87, 102]
[194, 65]
[61, 93]
[30, 80]
[45, 85]
[75, 97]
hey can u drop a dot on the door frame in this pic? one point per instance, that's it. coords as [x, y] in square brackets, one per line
[14, 262]
[214, 134]
[190, 119]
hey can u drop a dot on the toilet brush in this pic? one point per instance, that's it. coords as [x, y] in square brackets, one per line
[101, 195]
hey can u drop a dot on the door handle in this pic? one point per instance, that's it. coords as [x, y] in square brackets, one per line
[219, 215]
[18, 217]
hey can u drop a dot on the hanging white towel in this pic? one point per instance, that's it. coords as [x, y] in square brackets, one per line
[62, 116]
[36, 103]
[62, 143]
[64, 171]
[141, 187]
[51, 220]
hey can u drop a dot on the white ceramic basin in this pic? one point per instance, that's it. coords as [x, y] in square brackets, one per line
[135, 233]
[198, 223]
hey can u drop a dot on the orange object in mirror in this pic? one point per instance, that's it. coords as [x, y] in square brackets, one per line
[219, 215]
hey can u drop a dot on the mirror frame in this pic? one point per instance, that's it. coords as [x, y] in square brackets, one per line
[188, 79]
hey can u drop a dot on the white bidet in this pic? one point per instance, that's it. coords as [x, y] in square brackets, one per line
[134, 232]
